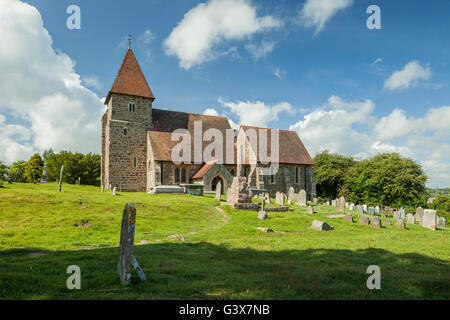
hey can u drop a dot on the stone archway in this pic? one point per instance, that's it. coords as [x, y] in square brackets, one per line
[214, 183]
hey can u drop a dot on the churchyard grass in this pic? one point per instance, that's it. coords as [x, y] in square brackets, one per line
[190, 250]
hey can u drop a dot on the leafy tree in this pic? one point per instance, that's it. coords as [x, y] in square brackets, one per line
[46, 154]
[442, 205]
[33, 168]
[17, 171]
[386, 179]
[330, 171]
[3, 171]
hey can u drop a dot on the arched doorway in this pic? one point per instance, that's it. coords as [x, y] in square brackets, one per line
[214, 183]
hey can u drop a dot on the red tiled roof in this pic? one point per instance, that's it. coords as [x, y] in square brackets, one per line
[204, 170]
[130, 79]
[291, 148]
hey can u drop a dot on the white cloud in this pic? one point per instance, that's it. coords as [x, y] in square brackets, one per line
[316, 13]
[409, 76]
[146, 37]
[41, 90]
[211, 112]
[351, 128]
[261, 50]
[92, 81]
[279, 73]
[196, 38]
[257, 113]
[379, 60]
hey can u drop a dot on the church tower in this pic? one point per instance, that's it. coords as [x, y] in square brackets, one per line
[124, 129]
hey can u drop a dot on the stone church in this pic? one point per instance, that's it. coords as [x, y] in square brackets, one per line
[137, 145]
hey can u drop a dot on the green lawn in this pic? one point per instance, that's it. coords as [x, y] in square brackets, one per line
[190, 250]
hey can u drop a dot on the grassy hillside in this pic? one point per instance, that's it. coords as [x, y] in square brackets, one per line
[190, 250]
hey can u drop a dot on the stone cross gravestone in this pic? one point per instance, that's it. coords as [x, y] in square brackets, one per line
[262, 215]
[219, 191]
[127, 262]
[429, 219]
[341, 205]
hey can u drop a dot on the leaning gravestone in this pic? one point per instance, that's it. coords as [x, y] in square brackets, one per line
[341, 205]
[429, 219]
[126, 259]
[219, 191]
[375, 221]
[291, 194]
[359, 209]
[302, 198]
[321, 226]
[311, 210]
[371, 211]
[364, 221]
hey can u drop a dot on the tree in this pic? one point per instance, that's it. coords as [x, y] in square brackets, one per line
[33, 168]
[47, 154]
[386, 179]
[16, 171]
[330, 170]
[3, 171]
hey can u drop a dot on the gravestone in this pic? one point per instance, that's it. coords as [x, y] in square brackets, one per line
[279, 198]
[296, 198]
[44, 173]
[302, 198]
[349, 218]
[127, 262]
[396, 215]
[334, 203]
[359, 209]
[311, 210]
[341, 205]
[351, 207]
[411, 219]
[371, 211]
[402, 213]
[364, 221]
[321, 226]
[377, 209]
[347, 205]
[429, 219]
[262, 214]
[60, 178]
[327, 203]
[375, 221]
[291, 194]
[388, 222]
[315, 201]
[102, 188]
[364, 208]
[401, 224]
[419, 214]
[441, 221]
[219, 191]
[114, 192]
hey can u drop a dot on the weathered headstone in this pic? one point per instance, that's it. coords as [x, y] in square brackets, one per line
[279, 198]
[388, 222]
[347, 205]
[114, 192]
[401, 224]
[377, 209]
[402, 213]
[302, 198]
[60, 179]
[102, 188]
[371, 211]
[334, 203]
[396, 215]
[315, 201]
[419, 214]
[429, 219]
[321, 226]
[349, 218]
[441, 221]
[291, 194]
[341, 205]
[311, 210]
[44, 173]
[351, 207]
[411, 219]
[365, 208]
[327, 203]
[359, 209]
[364, 221]
[262, 214]
[375, 221]
[219, 191]
[126, 259]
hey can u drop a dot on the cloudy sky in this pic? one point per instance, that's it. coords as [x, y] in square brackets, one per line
[308, 65]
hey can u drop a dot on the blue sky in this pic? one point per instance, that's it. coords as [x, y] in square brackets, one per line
[340, 85]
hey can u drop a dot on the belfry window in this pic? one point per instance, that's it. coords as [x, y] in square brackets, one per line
[135, 162]
[132, 107]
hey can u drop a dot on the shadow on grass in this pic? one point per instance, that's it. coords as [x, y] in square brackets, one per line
[209, 271]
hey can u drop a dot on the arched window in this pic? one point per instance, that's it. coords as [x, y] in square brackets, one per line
[183, 175]
[177, 175]
[132, 107]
